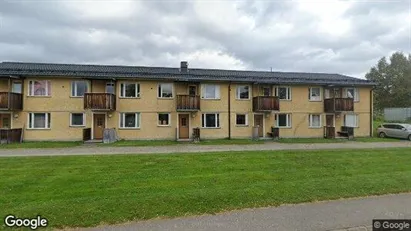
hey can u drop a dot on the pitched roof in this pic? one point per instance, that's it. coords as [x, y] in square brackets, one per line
[193, 74]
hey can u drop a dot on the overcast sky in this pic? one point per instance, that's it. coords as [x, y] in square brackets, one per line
[346, 37]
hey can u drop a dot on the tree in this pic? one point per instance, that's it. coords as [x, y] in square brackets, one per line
[394, 81]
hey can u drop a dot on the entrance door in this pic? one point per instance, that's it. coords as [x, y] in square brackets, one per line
[183, 128]
[5, 121]
[329, 120]
[99, 125]
[259, 122]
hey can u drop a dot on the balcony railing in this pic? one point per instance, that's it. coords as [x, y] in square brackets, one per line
[100, 101]
[11, 101]
[11, 135]
[188, 103]
[338, 105]
[266, 103]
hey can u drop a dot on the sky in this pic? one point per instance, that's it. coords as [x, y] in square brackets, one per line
[346, 37]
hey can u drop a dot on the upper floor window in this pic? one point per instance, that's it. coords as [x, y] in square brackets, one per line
[352, 93]
[78, 88]
[283, 93]
[39, 88]
[165, 90]
[39, 120]
[314, 94]
[243, 92]
[110, 88]
[210, 91]
[129, 90]
[130, 120]
[283, 120]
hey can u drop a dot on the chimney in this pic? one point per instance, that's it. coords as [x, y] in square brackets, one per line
[183, 67]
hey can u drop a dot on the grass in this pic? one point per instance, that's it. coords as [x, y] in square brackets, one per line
[42, 144]
[78, 191]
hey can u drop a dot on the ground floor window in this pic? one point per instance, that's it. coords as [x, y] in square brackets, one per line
[77, 119]
[210, 120]
[163, 119]
[314, 121]
[39, 120]
[283, 120]
[130, 120]
[241, 120]
[351, 120]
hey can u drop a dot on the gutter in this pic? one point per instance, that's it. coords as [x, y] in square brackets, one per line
[229, 110]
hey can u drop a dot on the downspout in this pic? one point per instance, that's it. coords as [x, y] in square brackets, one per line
[371, 112]
[229, 110]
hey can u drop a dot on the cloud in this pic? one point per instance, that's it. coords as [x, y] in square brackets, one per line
[346, 37]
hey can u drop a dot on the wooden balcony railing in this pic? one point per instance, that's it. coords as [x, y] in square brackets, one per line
[188, 103]
[338, 105]
[329, 132]
[11, 135]
[100, 101]
[11, 101]
[266, 103]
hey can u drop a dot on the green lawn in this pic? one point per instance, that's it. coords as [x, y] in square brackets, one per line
[43, 144]
[74, 191]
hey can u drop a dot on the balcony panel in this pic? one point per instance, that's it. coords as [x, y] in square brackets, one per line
[188, 103]
[11, 101]
[334, 105]
[100, 101]
[266, 103]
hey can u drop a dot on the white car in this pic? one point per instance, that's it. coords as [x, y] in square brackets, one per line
[395, 130]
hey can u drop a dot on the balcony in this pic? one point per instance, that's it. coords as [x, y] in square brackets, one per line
[11, 101]
[100, 101]
[334, 105]
[266, 103]
[188, 103]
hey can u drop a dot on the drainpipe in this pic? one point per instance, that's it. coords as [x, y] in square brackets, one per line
[371, 112]
[229, 110]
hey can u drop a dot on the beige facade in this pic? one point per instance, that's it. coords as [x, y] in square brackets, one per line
[60, 104]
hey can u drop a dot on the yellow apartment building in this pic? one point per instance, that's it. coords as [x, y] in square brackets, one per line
[80, 102]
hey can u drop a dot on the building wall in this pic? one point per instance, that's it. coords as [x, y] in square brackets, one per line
[60, 104]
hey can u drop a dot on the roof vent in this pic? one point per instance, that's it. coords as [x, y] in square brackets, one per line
[184, 67]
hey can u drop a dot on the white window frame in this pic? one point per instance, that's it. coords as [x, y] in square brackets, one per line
[310, 121]
[169, 119]
[356, 96]
[122, 93]
[289, 120]
[31, 87]
[71, 119]
[217, 94]
[137, 119]
[246, 119]
[356, 120]
[238, 93]
[289, 92]
[73, 84]
[204, 121]
[160, 91]
[47, 118]
[320, 97]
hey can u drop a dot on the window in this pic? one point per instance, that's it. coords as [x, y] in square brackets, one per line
[78, 88]
[211, 121]
[163, 119]
[16, 87]
[283, 120]
[130, 120]
[110, 88]
[165, 90]
[243, 92]
[283, 93]
[241, 120]
[314, 94]
[315, 121]
[351, 120]
[210, 91]
[266, 91]
[352, 93]
[77, 119]
[39, 88]
[129, 90]
[39, 120]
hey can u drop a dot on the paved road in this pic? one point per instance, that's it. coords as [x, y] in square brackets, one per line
[351, 214]
[98, 150]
